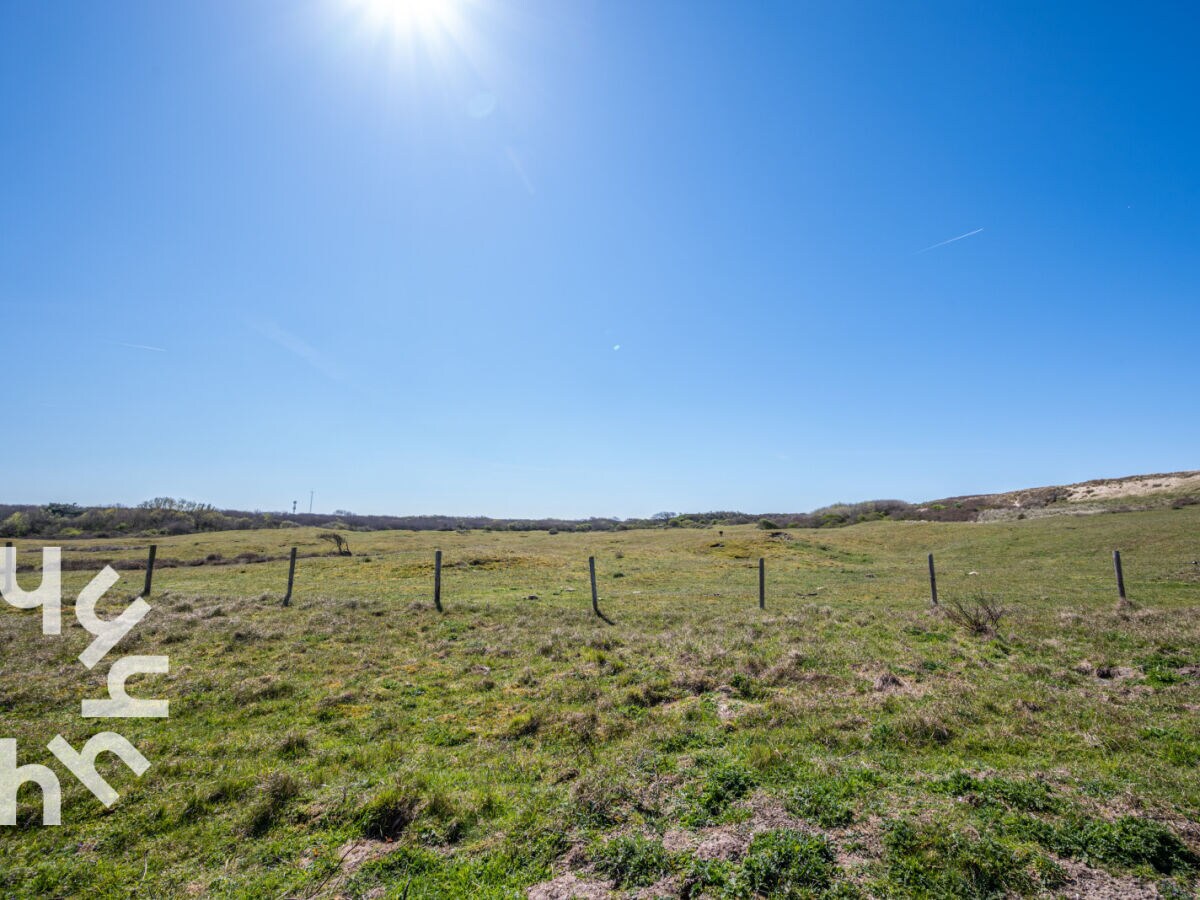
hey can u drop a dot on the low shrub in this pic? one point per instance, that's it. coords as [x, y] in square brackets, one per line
[632, 861]
[726, 783]
[1128, 841]
[933, 861]
[979, 615]
[786, 863]
[274, 794]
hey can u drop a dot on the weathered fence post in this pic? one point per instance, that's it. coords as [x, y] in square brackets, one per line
[595, 596]
[762, 583]
[592, 575]
[933, 601]
[287, 598]
[1120, 575]
[149, 571]
[10, 572]
[437, 579]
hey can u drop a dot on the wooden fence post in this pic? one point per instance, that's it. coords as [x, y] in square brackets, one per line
[933, 600]
[437, 579]
[149, 571]
[10, 573]
[595, 596]
[287, 598]
[1120, 576]
[762, 583]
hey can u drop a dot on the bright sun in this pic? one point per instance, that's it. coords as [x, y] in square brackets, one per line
[427, 17]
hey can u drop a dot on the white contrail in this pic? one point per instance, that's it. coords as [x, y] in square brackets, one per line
[139, 346]
[951, 241]
[519, 168]
[297, 345]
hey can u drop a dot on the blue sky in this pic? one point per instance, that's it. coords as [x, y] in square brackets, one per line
[390, 256]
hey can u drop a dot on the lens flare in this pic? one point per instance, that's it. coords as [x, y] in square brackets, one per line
[410, 17]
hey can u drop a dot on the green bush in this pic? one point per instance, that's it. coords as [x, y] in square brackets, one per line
[15, 526]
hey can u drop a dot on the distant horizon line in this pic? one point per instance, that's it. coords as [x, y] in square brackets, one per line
[1185, 473]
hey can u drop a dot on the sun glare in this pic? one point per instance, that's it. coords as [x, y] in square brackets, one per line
[408, 17]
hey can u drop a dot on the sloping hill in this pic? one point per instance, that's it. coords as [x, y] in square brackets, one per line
[1131, 492]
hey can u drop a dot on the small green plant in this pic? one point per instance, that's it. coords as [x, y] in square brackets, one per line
[726, 783]
[1029, 795]
[389, 812]
[745, 686]
[604, 797]
[397, 806]
[822, 803]
[632, 860]
[701, 875]
[912, 730]
[522, 725]
[933, 861]
[649, 694]
[274, 794]
[1162, 668]
[1128, 841]
[293, 745]
[787, 864]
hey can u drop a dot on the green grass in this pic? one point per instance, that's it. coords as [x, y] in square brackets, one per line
[480, 751]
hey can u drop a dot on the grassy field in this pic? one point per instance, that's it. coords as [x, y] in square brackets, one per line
[847, 741]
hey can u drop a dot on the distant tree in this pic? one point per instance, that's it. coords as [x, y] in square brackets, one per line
[663, 516]
[64, 510]
[167, 503]
[343, 546]
[16, 525]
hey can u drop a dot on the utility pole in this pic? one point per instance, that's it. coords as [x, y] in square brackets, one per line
[310, 496]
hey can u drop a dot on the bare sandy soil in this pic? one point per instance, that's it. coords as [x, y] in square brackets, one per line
[1136, 486]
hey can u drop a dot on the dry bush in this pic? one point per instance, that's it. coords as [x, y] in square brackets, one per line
[979, 615]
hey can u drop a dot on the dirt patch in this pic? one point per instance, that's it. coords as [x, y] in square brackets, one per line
[1106, 673]
[886, 682]
[667, 887]
[356, 854]
[352, 856]
[795, 668]
[1096, 884]
[768, 815]
[726, 845]
[570, 887]
[730, 708]
[1137, 486]
[730, 842]
[679, 841]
